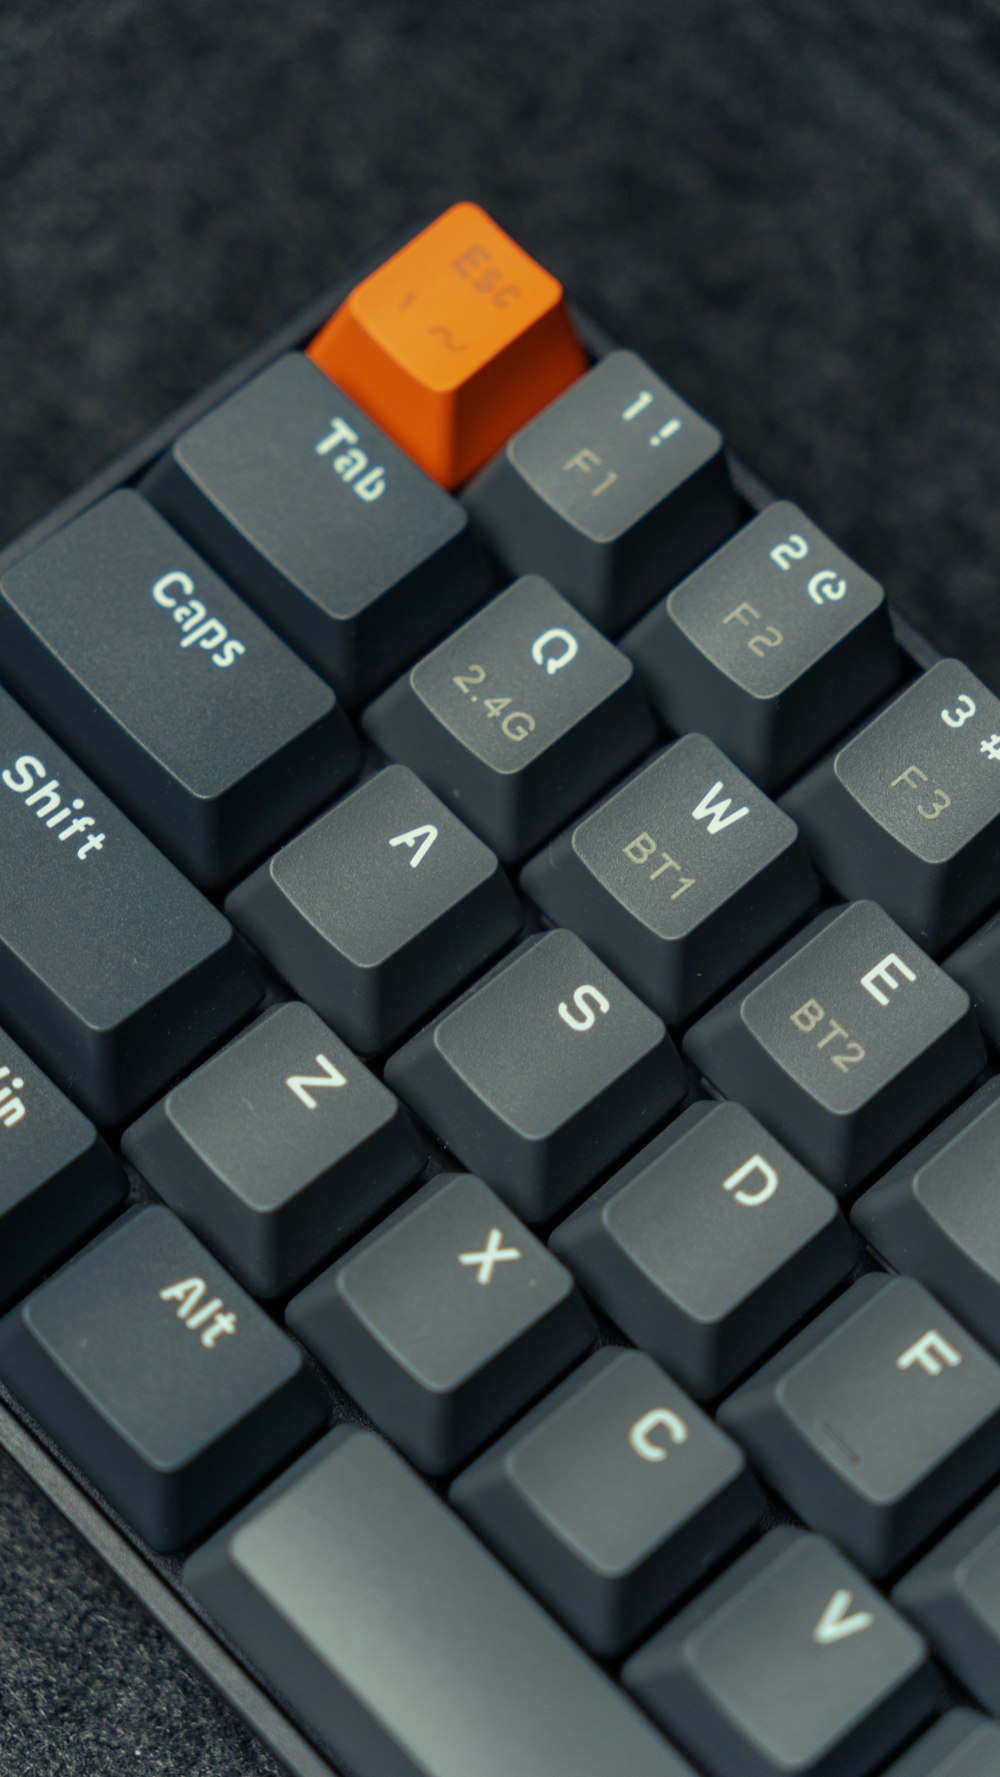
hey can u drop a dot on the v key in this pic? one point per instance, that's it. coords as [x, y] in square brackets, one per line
[838, 1621]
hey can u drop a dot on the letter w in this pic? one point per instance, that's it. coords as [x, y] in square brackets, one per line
[300, 1084]
[717, 813]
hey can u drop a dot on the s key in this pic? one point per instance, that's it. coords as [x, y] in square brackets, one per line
[773, 647]
[519, 718]
[908, 812]
[114, 970]
[209, 731]
[542, 1074]
[846, 1043]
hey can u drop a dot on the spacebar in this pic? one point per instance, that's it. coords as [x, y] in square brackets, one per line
[403, 1647]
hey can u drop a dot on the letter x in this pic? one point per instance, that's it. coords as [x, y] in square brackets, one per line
[494, 1253]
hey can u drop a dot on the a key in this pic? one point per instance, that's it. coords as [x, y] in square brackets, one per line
[975, 965]
[334, 534]
[58, 1179]
[612, 1497]
[954, 1594]
[908, 812]
[519, 718]
[401, 1642]
[961, 1744]
[541, 1075]
[114, 970]
[277, 1150]
[934, 1215]
[846, 1043]
[613, 492]
[790, 1663]
[159, 1377]
[708, 1246]
[774, 647]
[876, 1422]
[188, 710]
[380, 909]
[444, 1321]
[453, 343]
[681, 879]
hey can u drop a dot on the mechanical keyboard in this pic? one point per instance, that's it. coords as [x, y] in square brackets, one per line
[499, 1119]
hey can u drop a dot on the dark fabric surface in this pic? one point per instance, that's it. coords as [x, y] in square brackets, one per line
[793, 206]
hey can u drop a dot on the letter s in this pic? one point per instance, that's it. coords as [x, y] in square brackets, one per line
[585, 999]
[228, 653]
[26, 765]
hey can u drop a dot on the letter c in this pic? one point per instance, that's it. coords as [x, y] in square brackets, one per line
[183, 582]
[658, 1419]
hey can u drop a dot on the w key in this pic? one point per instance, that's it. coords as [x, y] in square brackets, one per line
[209, 731]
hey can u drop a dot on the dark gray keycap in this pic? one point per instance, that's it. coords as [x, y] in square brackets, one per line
[976, 966]
[444, 1321]
[333, 533]
[519, 718]
[876, 1422]
[791, 1663]
[954, 1594]
[277, 1150]
[114, 971]
[612, 1497]
[961, 1744]
[211, 734]
[612, 492]
[166, 1384]
[846, 1043]
[708, 1246]
[908, 812]
[380, 909]
[681, 879]
[542, 1074]
[935, 1214]
[774, 647]
[58, 1180]
[402, 1644]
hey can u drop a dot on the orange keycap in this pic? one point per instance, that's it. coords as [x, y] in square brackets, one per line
[453, 343]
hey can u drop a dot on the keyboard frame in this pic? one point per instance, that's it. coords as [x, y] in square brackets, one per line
[152, 1579]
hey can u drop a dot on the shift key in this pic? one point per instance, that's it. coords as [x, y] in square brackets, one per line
[115, 973]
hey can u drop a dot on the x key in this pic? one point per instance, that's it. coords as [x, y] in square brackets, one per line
[494, 1253]
[439, 1366]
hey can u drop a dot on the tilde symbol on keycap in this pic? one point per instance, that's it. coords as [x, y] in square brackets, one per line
[494, 1253]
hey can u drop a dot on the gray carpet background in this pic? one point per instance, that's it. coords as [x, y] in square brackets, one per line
[792, 206]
